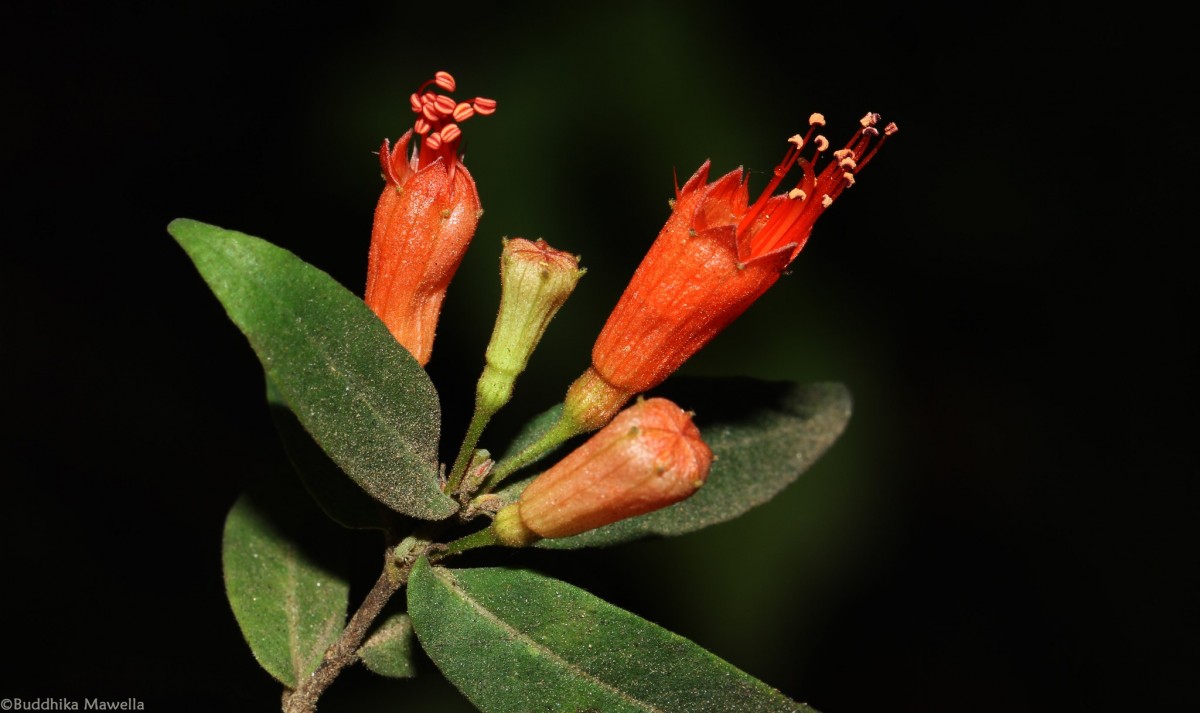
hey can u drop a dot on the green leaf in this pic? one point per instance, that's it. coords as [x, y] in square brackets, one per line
[289, 606]
[763, 434]
[389, 651]
[337, 495]
[513, 641]
[361, 395]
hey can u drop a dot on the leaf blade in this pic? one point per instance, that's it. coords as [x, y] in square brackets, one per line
[288, 606]
[361, 395]
[388, 651]
[541, 640]
[335, 493]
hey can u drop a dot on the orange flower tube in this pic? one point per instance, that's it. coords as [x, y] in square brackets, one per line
[425, 217]
[650, 456]
[716, 255]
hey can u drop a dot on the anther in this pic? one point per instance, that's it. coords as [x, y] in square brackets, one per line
[797, 141]
[430, 112]
[822, 143]
[484, 106]
[826, 201]
[421, 126]
[444, 80]
[796, 194]
[445, 105]
[847, 163]
[890, 129]
[849, 179]
[462, 112]
[450, 132]
[870, 119]
[434, 141]
[871, 131]
[843, 153]
[816, 119]
[415, 102]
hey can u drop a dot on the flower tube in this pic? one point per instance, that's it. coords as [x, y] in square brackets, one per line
[717, 254]
[425, 217]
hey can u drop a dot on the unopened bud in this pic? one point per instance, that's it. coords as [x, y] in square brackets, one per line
[650, 456]
[535, 281]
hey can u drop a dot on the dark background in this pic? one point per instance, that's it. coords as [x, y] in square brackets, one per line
[1006, 525]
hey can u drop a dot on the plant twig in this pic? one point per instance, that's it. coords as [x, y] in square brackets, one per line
[344, 651]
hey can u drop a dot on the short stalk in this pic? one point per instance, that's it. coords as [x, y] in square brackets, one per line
[484, 538]
[479, 421]
[562, 431]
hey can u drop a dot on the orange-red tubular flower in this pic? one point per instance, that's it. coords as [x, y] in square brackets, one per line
[425, 218]
[716, 255]
[650, 456]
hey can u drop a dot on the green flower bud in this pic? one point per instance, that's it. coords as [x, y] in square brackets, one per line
[535, 280]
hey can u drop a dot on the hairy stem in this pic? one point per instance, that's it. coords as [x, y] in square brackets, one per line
[344, 651]
[478, 422]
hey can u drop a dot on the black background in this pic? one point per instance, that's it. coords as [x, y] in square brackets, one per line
[1006, 524]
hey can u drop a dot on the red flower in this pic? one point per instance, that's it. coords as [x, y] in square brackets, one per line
[649, 457]
[716, 255]
[425, 218]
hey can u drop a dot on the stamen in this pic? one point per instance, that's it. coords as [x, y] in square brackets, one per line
[791, 221]
[438, 119]
[462, 112]
[445, 105]
[888, 130]
[816, 119]
[444, 80]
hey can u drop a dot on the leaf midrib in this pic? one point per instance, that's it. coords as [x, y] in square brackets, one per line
[541, 648]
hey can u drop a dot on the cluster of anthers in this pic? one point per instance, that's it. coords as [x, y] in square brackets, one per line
[439, 116]
[775, 227]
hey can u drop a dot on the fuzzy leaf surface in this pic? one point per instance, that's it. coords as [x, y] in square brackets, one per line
[389, 650]
[361, 395]
[513, 641]
[764, 436]
[337, 495]
[289, 606]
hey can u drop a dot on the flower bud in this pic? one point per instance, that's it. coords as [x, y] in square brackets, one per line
[650, 456]
[535, 281]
